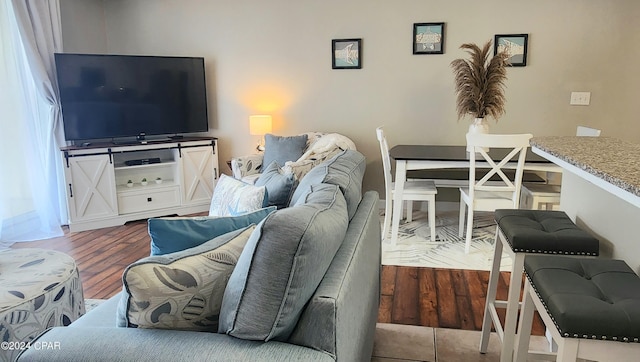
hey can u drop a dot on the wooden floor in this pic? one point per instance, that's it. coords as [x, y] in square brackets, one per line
[446, 298]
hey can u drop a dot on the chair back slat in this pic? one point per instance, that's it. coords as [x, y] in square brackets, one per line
[517, 143]
[386, 161]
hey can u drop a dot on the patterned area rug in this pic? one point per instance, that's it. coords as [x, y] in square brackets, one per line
[414, 247]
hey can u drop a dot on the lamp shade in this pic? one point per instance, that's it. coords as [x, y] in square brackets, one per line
[259, 125]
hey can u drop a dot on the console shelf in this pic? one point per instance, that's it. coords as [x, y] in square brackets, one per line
[97, 176]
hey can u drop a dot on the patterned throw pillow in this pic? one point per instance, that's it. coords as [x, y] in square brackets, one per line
[182, 290]
[279, 184]
[233, 197]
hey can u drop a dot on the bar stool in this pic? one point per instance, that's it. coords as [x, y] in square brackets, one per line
[519, 233]
[590, 306]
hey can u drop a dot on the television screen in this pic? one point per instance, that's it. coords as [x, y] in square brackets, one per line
[111, 96]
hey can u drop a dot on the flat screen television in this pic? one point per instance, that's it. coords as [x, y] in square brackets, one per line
[119, 96]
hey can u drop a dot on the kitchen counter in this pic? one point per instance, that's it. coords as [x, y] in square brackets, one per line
[611, 159]
[600, 189]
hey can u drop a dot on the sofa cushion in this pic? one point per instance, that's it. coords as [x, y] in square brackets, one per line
[282, 149]
[233, 197]
[346, 170]
[281, 266]
[280, 185]
[181, 290]
[172, 234]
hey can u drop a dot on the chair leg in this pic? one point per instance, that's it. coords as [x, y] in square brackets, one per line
[463, 212]
[409, 211]
[491, 295]
[432, 218]
[511, 317]
[467, 242]
[387, 217]
[535, 203]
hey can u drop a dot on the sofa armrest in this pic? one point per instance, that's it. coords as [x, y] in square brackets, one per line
[135, 344]
[246, 165]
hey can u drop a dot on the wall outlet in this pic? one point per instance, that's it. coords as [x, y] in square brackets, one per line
[580, 98]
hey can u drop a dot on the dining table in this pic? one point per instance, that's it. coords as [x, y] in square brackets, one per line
[432, 157]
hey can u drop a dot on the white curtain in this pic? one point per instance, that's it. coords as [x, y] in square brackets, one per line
[32, 202]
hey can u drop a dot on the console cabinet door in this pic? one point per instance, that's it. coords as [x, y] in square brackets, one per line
[91, 187]
[199, 174]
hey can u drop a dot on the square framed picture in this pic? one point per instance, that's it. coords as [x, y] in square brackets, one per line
[346, 53]
[428, 38]
[515, 45]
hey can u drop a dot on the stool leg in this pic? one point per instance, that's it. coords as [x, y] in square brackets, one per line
[432, 218]
[491, 294]
[567, 350]
[524, 327]
[511, 316]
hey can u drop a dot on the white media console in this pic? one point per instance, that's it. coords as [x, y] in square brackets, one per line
[99, 193]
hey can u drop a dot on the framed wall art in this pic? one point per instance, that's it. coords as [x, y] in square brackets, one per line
[346, 53]
[428, 38]
[515, 45]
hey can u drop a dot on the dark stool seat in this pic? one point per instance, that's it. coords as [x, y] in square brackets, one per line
[588, 298]
[546, 232]
[521, 233]
[586, 303]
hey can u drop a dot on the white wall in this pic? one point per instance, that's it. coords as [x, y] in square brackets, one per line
[83, 26]
[274, 57]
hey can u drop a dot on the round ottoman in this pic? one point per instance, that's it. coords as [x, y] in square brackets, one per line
[39, 289]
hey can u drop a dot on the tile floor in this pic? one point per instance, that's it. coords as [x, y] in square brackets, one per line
[404, 343]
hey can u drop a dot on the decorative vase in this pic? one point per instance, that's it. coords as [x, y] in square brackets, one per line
[479, 125]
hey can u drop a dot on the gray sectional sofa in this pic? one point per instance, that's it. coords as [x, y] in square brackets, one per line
[329, 319]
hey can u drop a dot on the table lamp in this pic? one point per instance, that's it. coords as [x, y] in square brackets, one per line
[259, 125]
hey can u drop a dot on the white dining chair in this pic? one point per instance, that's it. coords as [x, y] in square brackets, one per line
[414, 190]
[582, 131]
[543, 195]
[484, 196]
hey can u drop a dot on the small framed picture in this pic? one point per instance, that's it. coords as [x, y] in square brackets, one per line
[515, 45]
[428, 38]
[346, 53]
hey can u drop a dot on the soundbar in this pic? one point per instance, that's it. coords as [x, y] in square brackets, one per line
[142, 161]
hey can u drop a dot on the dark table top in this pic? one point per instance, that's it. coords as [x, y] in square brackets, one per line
[451, 153]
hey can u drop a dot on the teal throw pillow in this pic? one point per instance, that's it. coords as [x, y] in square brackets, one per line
[279, 185]
[182, 290]
[283, 149]
[172, 234]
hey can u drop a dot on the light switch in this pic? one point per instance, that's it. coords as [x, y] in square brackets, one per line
[580, 98]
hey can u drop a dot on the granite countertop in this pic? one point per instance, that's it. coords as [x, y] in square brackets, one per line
[611, 159]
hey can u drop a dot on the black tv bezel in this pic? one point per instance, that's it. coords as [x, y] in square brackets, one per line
[139, 137]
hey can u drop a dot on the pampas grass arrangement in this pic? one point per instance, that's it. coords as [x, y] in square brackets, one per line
[480, 82]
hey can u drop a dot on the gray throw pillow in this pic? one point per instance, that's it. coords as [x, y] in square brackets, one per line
[345, 169]
[182, 290]
[279, 185]
[282, 149]
[282, 265]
